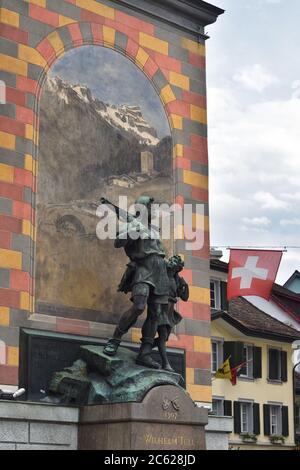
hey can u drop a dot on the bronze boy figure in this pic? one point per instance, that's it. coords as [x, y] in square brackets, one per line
[169, 317]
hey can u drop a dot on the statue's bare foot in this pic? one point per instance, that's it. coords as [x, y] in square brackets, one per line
[168, 367]
[111, 347]
[147, 361]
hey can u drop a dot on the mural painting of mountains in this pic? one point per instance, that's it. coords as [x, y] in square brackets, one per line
[93, 142]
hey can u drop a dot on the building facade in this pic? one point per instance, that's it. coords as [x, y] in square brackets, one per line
[166, 42]
[262, 401]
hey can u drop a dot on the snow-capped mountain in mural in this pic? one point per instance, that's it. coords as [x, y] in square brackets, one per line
[125, 117]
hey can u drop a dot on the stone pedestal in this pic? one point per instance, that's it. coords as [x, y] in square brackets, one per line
[166, 419]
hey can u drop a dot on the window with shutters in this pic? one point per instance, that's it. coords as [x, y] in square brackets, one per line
[246, 417]
[275, 420]
[216, 354]
[247, 370]
[218, 406]
[274, 364]
[215, 294]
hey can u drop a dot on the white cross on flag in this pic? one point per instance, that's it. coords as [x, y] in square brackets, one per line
[252, 272]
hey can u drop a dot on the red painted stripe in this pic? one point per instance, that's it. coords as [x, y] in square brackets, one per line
[134, 23]
[150, 67]
[11, 191]
[9, 375]
[183, 163]
[25, 115]
[15, 96]
[45, 16]
[24, 178]
[23, 210]
[200, 156]
[166, 62]
[5, 239]
[123, 28]
[19, 280]
[11, 126]
[10, 224]
[182, 342]
[179, 107]
[201, 312]
[197, 60]
[132, 48]
[91, 17]
[97, 33]
[14, 34]
[9, 298]
[75, 33]
[46, 49]
[194, 98]
[26, 84]
[198, 360]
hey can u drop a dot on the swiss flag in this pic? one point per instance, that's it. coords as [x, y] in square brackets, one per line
[252, 272]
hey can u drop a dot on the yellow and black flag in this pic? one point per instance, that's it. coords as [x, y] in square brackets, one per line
[224, 371]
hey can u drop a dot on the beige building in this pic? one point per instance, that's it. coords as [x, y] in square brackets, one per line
[262, 401]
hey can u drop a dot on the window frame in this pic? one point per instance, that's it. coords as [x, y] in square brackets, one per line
[278, 407]
[219, 360]
[249, 414]
[220, 405]
[217, 294]
[249, 365]
[278, 380]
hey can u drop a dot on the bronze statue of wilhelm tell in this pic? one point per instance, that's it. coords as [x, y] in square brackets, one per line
[153, 282]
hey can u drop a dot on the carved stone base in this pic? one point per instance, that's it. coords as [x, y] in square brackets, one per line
[166, 419]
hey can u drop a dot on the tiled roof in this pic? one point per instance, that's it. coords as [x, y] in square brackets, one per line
[254, 322]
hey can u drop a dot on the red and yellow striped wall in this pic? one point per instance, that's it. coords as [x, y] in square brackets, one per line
[34, 34]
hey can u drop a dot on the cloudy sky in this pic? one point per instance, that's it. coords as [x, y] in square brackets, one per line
[113, 79]
[254, 126]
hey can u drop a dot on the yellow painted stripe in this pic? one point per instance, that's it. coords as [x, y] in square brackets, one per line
[4, 316]
[167, 94]
[198, 114]
[199, 295]
[193, 46]
[25, 301]
[7, 141]
[195, 179]
[202, 344]
[182, 81]
[109, 35]
[40, 3]
[154, 44]
[136, 335]
[30, 164]
[27, 228]
[31, 55]
[10, 259]
[190, 376]
[200, 222]
[178, 150]
[176, 121]
[64, 20]
[200, 392]
[97, 8]
[9, 17]
[6, 172]
[142, 57]
[10, 64]
[12, 356]
[56, 42]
